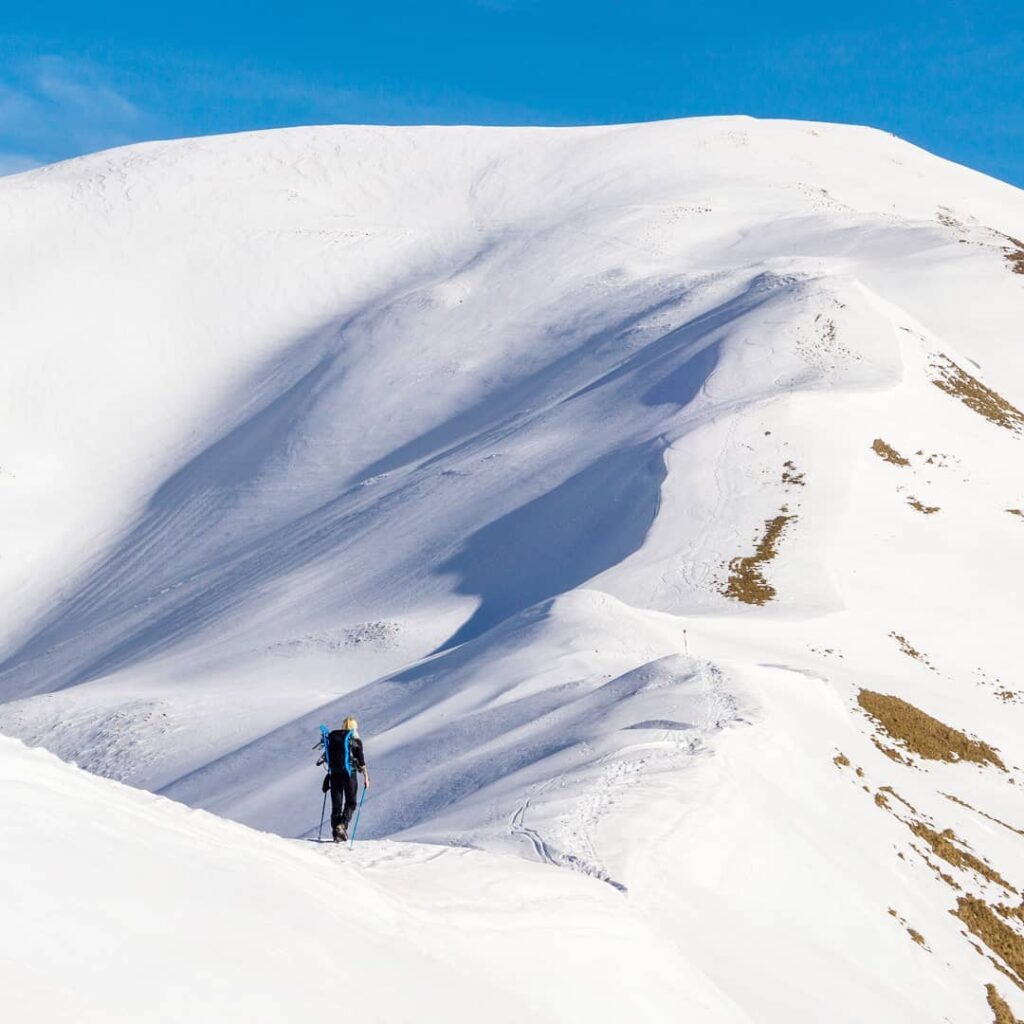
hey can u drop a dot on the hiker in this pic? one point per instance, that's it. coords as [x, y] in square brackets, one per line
[344, 760]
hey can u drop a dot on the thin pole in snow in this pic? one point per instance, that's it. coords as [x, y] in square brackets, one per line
[355, 824]
[323, 808]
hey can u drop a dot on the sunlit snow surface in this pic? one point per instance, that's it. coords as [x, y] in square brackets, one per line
[552, 455]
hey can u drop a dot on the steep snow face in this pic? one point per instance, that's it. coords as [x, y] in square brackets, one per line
[651, 494]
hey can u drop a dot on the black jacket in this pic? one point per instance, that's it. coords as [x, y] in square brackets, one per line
[336, 752]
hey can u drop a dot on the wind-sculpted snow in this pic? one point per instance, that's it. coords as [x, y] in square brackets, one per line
[600, 472]
[463, 736]
[592, 521]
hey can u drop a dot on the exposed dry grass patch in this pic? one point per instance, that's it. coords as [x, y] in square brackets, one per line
[956, 381]
[999, 689]
[947, 846]
[947, 878]
[945, 216]
[926, 509]
[998, 936]
[893, 755]
[886, 451]
[1015, 254]
[792, 476]
[892, 792]
[1011, 912]
[912, 932]
[910, 650]
[923, 735]
[746, 581]
[841, 760]
[1002, 1013]
[828, 652]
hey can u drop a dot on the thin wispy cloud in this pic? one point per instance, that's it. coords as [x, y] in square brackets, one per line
[52, 107]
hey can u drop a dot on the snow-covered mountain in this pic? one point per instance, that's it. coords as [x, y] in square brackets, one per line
[652, 494]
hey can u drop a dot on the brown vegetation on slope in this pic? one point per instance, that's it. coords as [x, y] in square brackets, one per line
[910, 650]
[948, 846]
[994, 925]
[926, 509]
[912, 932]
[956, 381]
[886, 451]
[746, 581]
[1015, 255]
[791, 475]
[998, 936]
[1003, 1013]
[923, 735]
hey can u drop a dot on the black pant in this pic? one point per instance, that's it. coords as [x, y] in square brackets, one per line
[344, 791]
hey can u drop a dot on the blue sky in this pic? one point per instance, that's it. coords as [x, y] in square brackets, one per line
[78, 77]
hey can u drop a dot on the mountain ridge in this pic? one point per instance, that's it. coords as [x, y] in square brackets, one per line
[602, 472]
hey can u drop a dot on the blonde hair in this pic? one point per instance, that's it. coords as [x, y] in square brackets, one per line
[351, 724]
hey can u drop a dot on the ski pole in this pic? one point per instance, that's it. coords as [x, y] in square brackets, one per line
[355, 824]
[323, 808]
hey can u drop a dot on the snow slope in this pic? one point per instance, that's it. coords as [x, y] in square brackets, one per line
[122, 906]
[606, 474]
